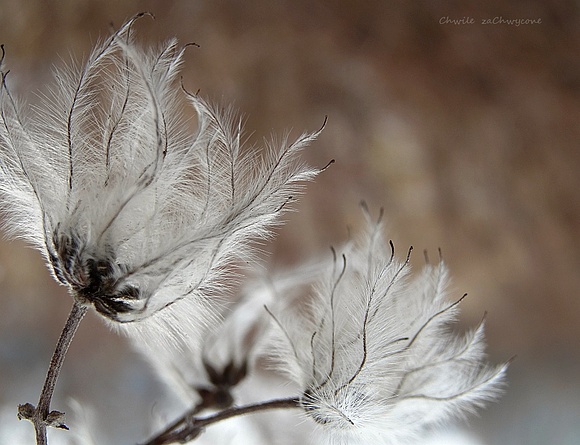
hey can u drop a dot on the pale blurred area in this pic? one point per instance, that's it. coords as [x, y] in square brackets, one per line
[467, 135]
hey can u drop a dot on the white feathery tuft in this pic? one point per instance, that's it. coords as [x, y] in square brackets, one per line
[135, 215]
[374, 356]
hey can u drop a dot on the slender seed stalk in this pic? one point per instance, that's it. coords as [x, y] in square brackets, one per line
[173, 427]
[191, 426]
[41, 416]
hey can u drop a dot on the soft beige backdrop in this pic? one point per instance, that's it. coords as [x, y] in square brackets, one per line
[466, 134]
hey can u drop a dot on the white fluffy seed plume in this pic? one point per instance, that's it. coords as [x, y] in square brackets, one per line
[373, 353]
[137, 215]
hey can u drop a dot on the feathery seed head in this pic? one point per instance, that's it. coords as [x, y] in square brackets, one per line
[374, 356]
[226, 355]
[136, 216]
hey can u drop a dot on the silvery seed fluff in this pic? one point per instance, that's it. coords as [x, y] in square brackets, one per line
[134, 214]
[373, 354]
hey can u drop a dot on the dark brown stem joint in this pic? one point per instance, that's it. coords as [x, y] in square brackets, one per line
[54, 419]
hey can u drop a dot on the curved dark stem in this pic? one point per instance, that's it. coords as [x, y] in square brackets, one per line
[173, 428]
[41, 416]
[188, 427]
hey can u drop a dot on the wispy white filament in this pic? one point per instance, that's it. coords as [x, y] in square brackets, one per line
[374, 355]
[137, 216]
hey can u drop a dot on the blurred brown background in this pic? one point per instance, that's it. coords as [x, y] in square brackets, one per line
[467, 135]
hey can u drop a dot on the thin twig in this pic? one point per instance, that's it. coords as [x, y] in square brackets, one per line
[192, 426]
[169, 431]
[41, 416]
